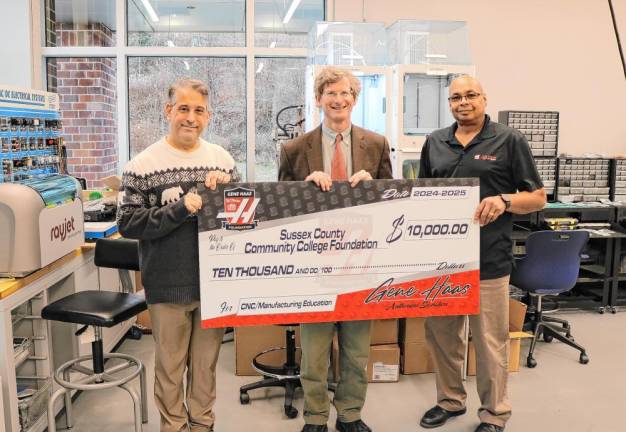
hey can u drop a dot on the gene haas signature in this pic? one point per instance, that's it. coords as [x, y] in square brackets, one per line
[442, 288]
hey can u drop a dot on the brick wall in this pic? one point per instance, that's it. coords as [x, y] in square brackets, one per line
[51, 69]
[51, 39]
[88, 103]
[92, 34]
[88, 100]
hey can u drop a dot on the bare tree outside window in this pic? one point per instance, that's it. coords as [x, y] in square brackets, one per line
[279, 84]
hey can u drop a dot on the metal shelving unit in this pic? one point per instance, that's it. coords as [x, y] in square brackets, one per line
[30, 360]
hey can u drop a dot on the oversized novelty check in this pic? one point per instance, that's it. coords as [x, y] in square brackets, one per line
[273, 253]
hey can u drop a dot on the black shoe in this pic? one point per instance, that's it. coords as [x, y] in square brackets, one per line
[488, 427]
[314, 428]
[437, 416]
[355, 426]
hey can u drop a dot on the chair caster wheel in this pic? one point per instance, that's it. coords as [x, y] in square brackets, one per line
[291, 412]
[531, 362]
[601, 310]
[548, 338]
[135, 333]
[244, 398]
[584, 359]
[613, 310]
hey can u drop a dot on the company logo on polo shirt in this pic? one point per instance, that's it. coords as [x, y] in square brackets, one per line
[485, 157]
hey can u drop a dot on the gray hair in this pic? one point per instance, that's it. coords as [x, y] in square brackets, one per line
[193, 84]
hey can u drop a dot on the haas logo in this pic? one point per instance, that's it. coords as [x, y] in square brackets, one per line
[63, 230]
[239, 207]
[171, 195]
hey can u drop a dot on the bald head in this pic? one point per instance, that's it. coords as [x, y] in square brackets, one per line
[467, 101]
[466, 81]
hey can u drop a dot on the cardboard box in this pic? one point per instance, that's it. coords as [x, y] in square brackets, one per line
[384, 332]
[113, 185]
[517, 313]
[383, 364]
[249, 341]
[113, 182]
[412, 330]
[416, 358]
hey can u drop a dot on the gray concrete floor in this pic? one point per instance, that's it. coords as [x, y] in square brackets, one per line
[558, 395]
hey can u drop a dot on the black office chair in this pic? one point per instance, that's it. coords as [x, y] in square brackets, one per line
[101, 309]
[550, 267]
[286, 376]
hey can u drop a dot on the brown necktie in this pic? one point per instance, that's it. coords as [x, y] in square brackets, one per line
[338, 165]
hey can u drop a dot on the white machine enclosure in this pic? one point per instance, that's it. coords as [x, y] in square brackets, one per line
[406, 143]
[32, 235]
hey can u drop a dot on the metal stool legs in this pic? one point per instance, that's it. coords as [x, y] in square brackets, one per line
[97, 381]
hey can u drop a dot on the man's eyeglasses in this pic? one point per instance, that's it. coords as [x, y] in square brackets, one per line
[332, 94]
[458, 98]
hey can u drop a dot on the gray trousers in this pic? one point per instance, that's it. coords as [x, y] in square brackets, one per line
[316, 340]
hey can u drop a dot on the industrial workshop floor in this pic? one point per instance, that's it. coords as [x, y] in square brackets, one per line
[558, 395]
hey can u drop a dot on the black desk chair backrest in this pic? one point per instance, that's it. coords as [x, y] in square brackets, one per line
[118, 253]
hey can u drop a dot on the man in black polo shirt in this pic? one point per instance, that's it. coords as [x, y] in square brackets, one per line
[474, 146]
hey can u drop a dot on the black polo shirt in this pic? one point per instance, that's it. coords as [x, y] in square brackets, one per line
[501, 158]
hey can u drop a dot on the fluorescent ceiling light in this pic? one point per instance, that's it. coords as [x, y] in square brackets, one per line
[273, 44]
[170, 43]
[292, 9]
[153, 16]
[260, 68]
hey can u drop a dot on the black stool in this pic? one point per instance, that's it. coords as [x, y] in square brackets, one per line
[101, 309]
[287, 375]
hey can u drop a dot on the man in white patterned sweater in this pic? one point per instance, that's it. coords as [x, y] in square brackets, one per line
[158, 208]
